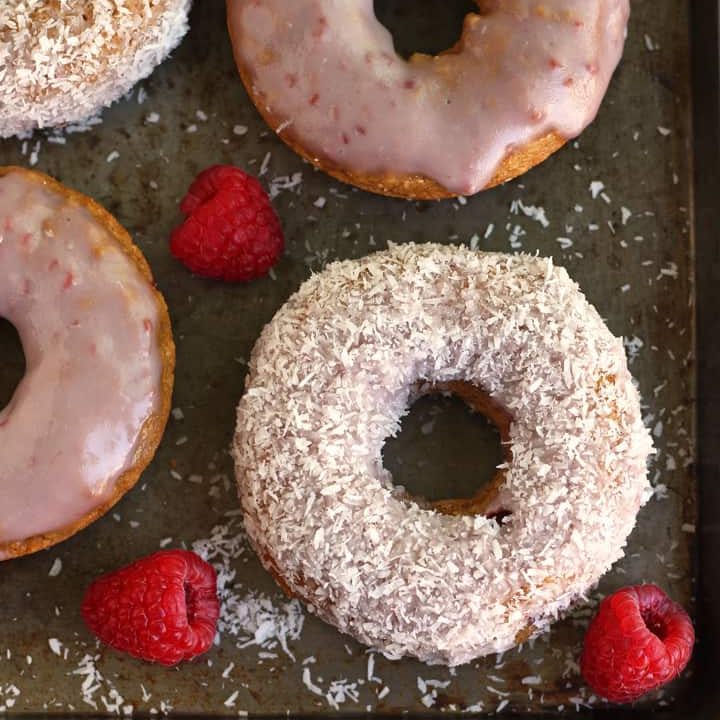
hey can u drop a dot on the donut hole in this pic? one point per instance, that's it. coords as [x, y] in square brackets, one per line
[12, 361]
[424, 26]
[448, 450]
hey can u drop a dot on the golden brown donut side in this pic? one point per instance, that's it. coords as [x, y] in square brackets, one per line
[152, 430]
[419, 187]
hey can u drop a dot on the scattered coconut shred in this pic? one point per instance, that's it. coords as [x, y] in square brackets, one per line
[270, 627]
[248, 617]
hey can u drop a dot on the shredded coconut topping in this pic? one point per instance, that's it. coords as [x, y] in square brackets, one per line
[63, 62]
[330, 379]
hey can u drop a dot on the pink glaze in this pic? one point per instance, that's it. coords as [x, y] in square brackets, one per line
[327, 72]
[86, 319]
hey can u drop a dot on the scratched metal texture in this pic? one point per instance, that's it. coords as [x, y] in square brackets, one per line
[613, 208]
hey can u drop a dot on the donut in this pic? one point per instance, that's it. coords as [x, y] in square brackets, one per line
[64, 62]
[329, 380]
[89, 413]
[523, 78]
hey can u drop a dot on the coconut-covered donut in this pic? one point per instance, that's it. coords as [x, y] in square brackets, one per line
[524, 77]
[89, 413]
[329, 381]
[63, 62]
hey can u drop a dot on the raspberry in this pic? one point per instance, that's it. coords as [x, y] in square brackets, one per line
[231, 230]
[162, 608]
[638, 641]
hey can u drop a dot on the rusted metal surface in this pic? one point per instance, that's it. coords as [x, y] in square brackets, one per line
[614, 208]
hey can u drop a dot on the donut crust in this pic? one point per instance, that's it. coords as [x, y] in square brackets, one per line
[420, 187]
[152, 430]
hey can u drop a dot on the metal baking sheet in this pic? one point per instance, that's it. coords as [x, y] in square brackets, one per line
[614, 207]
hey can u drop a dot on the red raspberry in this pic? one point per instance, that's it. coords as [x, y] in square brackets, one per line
[639, 640]
[231, 230]
[162, 608]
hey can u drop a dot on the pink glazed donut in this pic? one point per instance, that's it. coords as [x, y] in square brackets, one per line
[89, 413]
[524, 77]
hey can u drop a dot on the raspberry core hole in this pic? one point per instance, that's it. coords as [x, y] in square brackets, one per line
[190, 605]
[655, 624]
[424, 26]
[12, 362]
[447, 452]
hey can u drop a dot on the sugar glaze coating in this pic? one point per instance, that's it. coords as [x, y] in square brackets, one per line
[326, 76]
[329, 380]
[88, 321]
